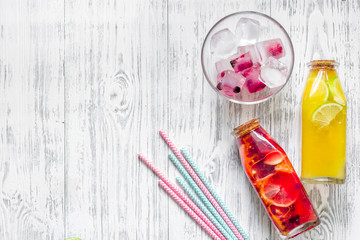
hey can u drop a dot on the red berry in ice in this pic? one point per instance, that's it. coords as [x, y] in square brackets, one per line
[241, 63]
[252, 76]
[275, 49]
[230, 83]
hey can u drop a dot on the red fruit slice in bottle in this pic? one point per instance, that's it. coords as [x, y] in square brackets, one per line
[284, 167]
[267, 167]
[279, 211]
[273, 158]
[280, 190]
[262, 171]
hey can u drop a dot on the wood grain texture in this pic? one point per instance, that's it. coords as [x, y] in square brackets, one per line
[86, 85]
[117, 51]
[31, 120]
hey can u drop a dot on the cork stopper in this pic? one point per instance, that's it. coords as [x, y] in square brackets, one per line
[247, 127]
[316, 64]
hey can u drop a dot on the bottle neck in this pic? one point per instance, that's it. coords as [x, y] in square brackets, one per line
[246, 128]
[323, 64]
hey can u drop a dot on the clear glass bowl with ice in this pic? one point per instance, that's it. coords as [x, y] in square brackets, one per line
[247, 57]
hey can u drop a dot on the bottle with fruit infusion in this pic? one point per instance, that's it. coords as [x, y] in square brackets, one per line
[323, 125]
[275, 180]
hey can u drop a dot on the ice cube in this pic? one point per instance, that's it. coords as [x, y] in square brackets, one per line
[248, 57]
[273, 73]
[230, 83]
[247, 30]
[251, 49]
[242, 62]
[224, 64]
[270, 48]
[223, 43]
[252, 76]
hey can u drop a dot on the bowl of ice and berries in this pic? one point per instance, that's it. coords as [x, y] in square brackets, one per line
[247, 57]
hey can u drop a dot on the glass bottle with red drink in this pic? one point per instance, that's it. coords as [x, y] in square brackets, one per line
[275, 180]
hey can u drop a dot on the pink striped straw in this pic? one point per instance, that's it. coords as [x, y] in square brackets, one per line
[183, 197]
[200, 184]
[188, 210]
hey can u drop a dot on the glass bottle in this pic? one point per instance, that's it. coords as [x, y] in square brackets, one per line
[323, 125]
[275, 180]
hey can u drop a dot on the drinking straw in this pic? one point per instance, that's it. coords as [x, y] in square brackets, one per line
[188, 210]
[200, 193]
[200, 184]
[181, 195]
[198, 202]
[212, 190]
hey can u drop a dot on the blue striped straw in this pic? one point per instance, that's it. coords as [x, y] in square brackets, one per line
[202, 196]
[198, 202]
[211, 189]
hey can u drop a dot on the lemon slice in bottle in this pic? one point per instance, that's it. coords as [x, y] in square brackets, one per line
[320, 92]
[280, 190]
[336, 91]
[323, 116]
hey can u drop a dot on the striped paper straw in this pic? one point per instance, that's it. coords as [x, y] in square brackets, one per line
[203, 207]
[202, 196]
[200, 184]
[212, 190]
[188, 210]
[182, 196]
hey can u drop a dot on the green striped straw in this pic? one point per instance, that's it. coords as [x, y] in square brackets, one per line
[211, 189]
[198, 202]
[202, 196]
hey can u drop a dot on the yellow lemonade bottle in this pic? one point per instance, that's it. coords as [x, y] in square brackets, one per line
[323, 125]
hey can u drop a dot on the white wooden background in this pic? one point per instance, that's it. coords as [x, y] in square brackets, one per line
[86, 85]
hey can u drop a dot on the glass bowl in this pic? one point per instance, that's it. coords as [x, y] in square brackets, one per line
[242, 32]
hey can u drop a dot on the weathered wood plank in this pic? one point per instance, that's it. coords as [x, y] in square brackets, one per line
[116, 99]
[31, 120]
[350, 80]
